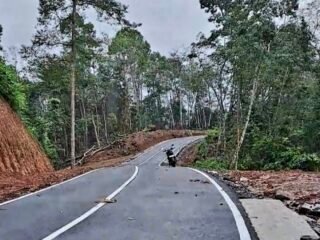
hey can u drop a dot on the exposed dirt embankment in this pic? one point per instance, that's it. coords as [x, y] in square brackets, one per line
[13, 185]
[299, 190]
[188, 156]
[298, 186]
[19, 152]
[138, 142]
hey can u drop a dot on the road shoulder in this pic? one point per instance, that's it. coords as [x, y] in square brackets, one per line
[273, 220]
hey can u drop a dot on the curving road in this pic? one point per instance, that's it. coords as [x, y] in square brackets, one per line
[152, 203]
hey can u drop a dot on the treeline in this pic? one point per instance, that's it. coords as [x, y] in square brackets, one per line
[266, 60]
[254, 81]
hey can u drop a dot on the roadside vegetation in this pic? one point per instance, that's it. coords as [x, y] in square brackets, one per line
[265, 155]
[254, 81]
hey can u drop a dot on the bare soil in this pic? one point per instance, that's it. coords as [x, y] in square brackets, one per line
[188, 156]
[299, 190]
[298, 186]
[301, 187]
[19, 151]
[13, 185]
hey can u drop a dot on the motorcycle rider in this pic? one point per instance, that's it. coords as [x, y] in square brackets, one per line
[171, 156]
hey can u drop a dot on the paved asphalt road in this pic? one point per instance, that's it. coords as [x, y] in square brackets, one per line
[159, 204]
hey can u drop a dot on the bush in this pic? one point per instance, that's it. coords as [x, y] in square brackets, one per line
[12, 88]
[305, 162]
[202, 150]
[212, 136]
[277, 154]
[211, 164]
[206, 148]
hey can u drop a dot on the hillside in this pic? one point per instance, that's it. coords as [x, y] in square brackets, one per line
[19, 152]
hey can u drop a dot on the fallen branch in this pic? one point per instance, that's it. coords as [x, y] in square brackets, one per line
[85, 155]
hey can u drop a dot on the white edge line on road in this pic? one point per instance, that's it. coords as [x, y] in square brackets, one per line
[59, 184]
[148, 159]
[48, 188]
[242, 228]
[92, 210]
[158, 145]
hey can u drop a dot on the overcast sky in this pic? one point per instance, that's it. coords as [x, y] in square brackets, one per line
[167, 24]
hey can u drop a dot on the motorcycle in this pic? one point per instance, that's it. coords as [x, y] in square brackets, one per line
[172, 159]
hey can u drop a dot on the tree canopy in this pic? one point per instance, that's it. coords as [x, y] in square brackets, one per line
[254, 82]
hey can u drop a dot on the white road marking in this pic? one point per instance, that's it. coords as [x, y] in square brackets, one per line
[148, 159]
[48, 188]
[91, 211]
[72, 179]
[158, 145]
[242, 228]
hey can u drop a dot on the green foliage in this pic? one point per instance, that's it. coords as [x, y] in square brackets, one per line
[305, 161]
[0, 37]
[211, 164]
[41, 129]
[203, 150]
[278, 153]
[212, 136]
[12, 88]
[206, 149]
[122, 86]
[150, 128]
[112, 121]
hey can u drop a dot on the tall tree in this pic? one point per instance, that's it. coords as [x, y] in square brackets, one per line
[0, 36]
[132, 52]
[244, 36]
[62, 26]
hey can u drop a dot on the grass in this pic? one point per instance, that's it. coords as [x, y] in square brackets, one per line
[211, 164]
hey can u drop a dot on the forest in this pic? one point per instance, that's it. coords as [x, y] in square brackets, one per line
[253, 83]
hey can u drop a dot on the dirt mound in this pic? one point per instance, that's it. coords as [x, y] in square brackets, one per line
[298, 186]
[19, 152]
[188, 156]
[139, 141]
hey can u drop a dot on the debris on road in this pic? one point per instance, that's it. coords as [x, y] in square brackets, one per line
[205, 182]
[194, 180]
[199, 181]
[107, 201]
[309, 238]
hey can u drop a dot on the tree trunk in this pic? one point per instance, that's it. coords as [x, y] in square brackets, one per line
[105, 120]
[85, 124]
[171, 112]
[244, 131]
[96, 131]
[72, 81]
[181, 116]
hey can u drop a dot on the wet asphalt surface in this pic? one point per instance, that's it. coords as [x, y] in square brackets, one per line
[160, 204]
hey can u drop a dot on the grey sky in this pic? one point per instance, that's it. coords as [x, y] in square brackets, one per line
[167, 24]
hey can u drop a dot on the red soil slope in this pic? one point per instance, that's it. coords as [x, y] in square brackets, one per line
[19, 152]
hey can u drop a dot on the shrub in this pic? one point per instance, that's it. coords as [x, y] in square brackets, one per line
[211, 164]
[305, 161]
[276, 154]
